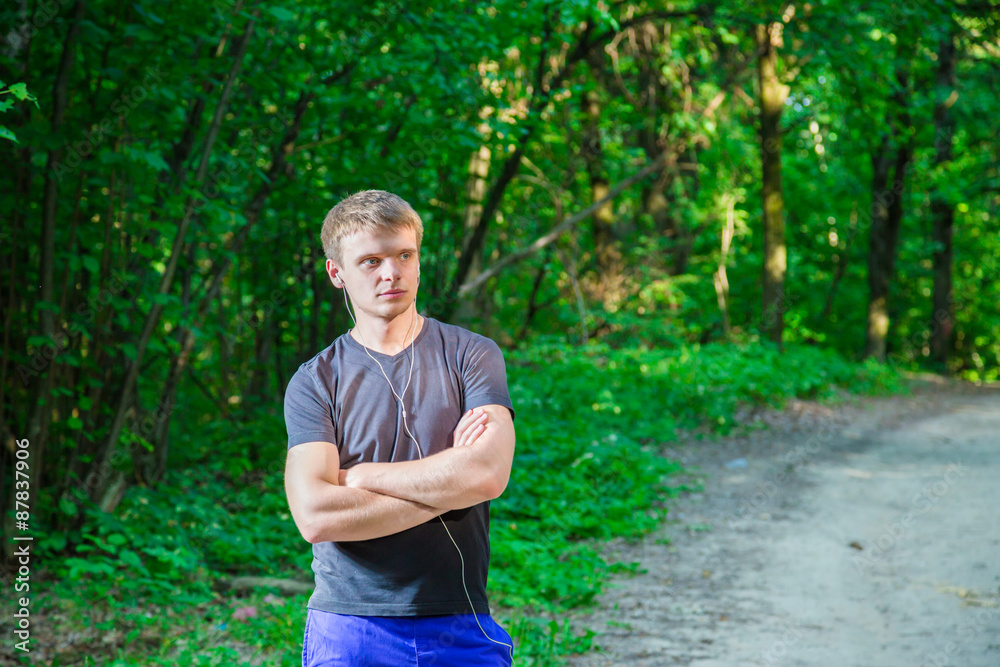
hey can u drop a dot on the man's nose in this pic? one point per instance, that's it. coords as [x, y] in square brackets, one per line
[390, 270]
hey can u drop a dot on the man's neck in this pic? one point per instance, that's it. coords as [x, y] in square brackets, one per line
[388, 336]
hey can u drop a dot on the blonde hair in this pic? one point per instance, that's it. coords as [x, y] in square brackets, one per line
[368, 211]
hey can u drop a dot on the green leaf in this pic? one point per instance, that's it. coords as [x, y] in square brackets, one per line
[20, 91]
[130, 559]
[75, 423]
[78, 566]
[91, 264]
[281, 13]
[7, 134]
[155, 161]
[37, 341]
[67, 507]
[53, 542]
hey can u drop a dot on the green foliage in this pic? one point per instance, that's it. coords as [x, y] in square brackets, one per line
[19, 91]
[199, 521]
[544, 643]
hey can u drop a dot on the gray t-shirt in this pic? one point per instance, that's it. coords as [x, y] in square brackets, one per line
[340, 396]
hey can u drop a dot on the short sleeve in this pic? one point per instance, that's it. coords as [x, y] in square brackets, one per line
[484, 376]
[308, 413]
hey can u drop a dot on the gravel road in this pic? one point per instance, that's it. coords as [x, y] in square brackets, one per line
[866, 534]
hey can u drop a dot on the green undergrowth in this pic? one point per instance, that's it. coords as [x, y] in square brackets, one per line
[140, 586]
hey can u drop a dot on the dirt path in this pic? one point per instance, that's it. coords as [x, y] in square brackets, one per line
[859, 536]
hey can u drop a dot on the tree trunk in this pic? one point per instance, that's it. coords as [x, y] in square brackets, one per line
[41, 411]
[882, 257]
[720, 279]
[656, 101]
[533, 299]
[475, 241]
[942, 213]
[475, 191]
[605, 251]
[149, 466]
[840, 270]
[772, 101]
[887, 214]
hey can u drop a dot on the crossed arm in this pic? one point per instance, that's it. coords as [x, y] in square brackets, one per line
[376, 499]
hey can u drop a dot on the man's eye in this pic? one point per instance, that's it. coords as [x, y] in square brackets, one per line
[371, 262]
[405, 255]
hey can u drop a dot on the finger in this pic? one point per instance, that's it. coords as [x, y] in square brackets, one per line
[476, 432]
[465, 438]
[475, 429]
[468, 419]
[466, 432]
[462, 434]
[463, 422]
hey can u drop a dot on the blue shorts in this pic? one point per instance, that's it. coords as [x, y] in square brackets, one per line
[339, 640]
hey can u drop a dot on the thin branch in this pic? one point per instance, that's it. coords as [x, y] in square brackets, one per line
[565, 225]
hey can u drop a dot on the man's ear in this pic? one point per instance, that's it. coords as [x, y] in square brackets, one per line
[332, 270]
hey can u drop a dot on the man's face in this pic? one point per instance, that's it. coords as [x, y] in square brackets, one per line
[380, 272]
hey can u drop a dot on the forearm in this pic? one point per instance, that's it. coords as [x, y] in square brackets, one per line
[455, 478]
[340, 514]
[474, 469]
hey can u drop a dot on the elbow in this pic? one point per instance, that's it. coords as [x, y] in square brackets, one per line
[493, 480]
[482, 489]
[495, 485]
[499, 479]
[311, 528]
[315, 533]
[311, 534]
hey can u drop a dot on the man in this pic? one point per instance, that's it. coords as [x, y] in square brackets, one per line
[399, 435]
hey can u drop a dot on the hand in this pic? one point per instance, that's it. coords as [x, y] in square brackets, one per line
[470, 427]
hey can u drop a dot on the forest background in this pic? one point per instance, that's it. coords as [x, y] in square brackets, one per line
[661, 211]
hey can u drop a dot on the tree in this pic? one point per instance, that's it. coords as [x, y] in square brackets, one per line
[772, 100]
[942, 210]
